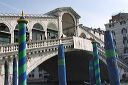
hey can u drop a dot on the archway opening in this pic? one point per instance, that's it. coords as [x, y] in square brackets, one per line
[38, 32]
[52, 31]
[16, 34]
[5, 36]
[68, 25]
[82, 35]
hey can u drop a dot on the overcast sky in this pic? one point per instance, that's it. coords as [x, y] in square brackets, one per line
[94, 13]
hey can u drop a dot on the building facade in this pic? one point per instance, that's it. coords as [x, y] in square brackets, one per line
[118, 24]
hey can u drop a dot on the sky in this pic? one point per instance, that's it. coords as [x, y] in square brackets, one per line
[94, 13]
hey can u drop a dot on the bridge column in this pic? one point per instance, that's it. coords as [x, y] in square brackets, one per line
[10, 69]
[96, 63]
[1, 73]
[60, 32]
[91, 72]
[111, 59]
[61, 66]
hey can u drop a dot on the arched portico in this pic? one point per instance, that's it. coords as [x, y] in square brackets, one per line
[52, 31]
[38, 32]
[68, 25]
[5, 35]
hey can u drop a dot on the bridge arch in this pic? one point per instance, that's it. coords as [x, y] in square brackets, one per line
[52, 30]
[76, 66]
[68, 24]
[5, 35]
[38, 32]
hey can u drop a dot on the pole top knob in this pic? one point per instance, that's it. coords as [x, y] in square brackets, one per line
[22, 13]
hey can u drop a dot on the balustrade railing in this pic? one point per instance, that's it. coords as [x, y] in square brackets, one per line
[4, 48]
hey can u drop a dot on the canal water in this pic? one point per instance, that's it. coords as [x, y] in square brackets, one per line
[56, 83]
[69, 84]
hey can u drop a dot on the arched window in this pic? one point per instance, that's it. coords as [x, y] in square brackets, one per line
[124, 40]
[5, 36]
[52, 31]
[38, 26]
[114, 42]
[82, 35]
[125, 50]
[113, 32]
[38, 32]
[124, 31]
[68, 25]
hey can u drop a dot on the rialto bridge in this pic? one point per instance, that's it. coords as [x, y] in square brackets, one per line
[44, 34]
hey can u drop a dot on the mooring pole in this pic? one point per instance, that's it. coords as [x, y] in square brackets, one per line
[111, 59]
[96, 63]
[91, 71]
[61, 65]
[22, 22]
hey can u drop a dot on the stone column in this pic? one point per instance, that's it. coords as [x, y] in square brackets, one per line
[60, 32]
[6, 71]
[1, 74]
[15, 73]
[12, 36]
[76, 27]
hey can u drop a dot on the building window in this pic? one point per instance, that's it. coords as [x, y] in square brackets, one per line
[29, 75]
[113, 32]
[125, 50]
[124, 31]
[124, 40]
[113, 24]
[123, 22]
[114, 42]
[40, 75]
[33, 75]
[109, 25]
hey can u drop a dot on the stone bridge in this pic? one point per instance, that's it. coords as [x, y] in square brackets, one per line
[40, 51]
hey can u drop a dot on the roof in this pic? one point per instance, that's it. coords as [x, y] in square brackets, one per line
[26, 15]
[63, 9]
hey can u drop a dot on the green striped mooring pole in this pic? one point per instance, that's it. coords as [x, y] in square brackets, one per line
[22, 51]
[96, 63]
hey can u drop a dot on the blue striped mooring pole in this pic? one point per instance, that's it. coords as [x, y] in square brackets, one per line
[22, 77]
[111, 59]
[61, 65]
[91, 72]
